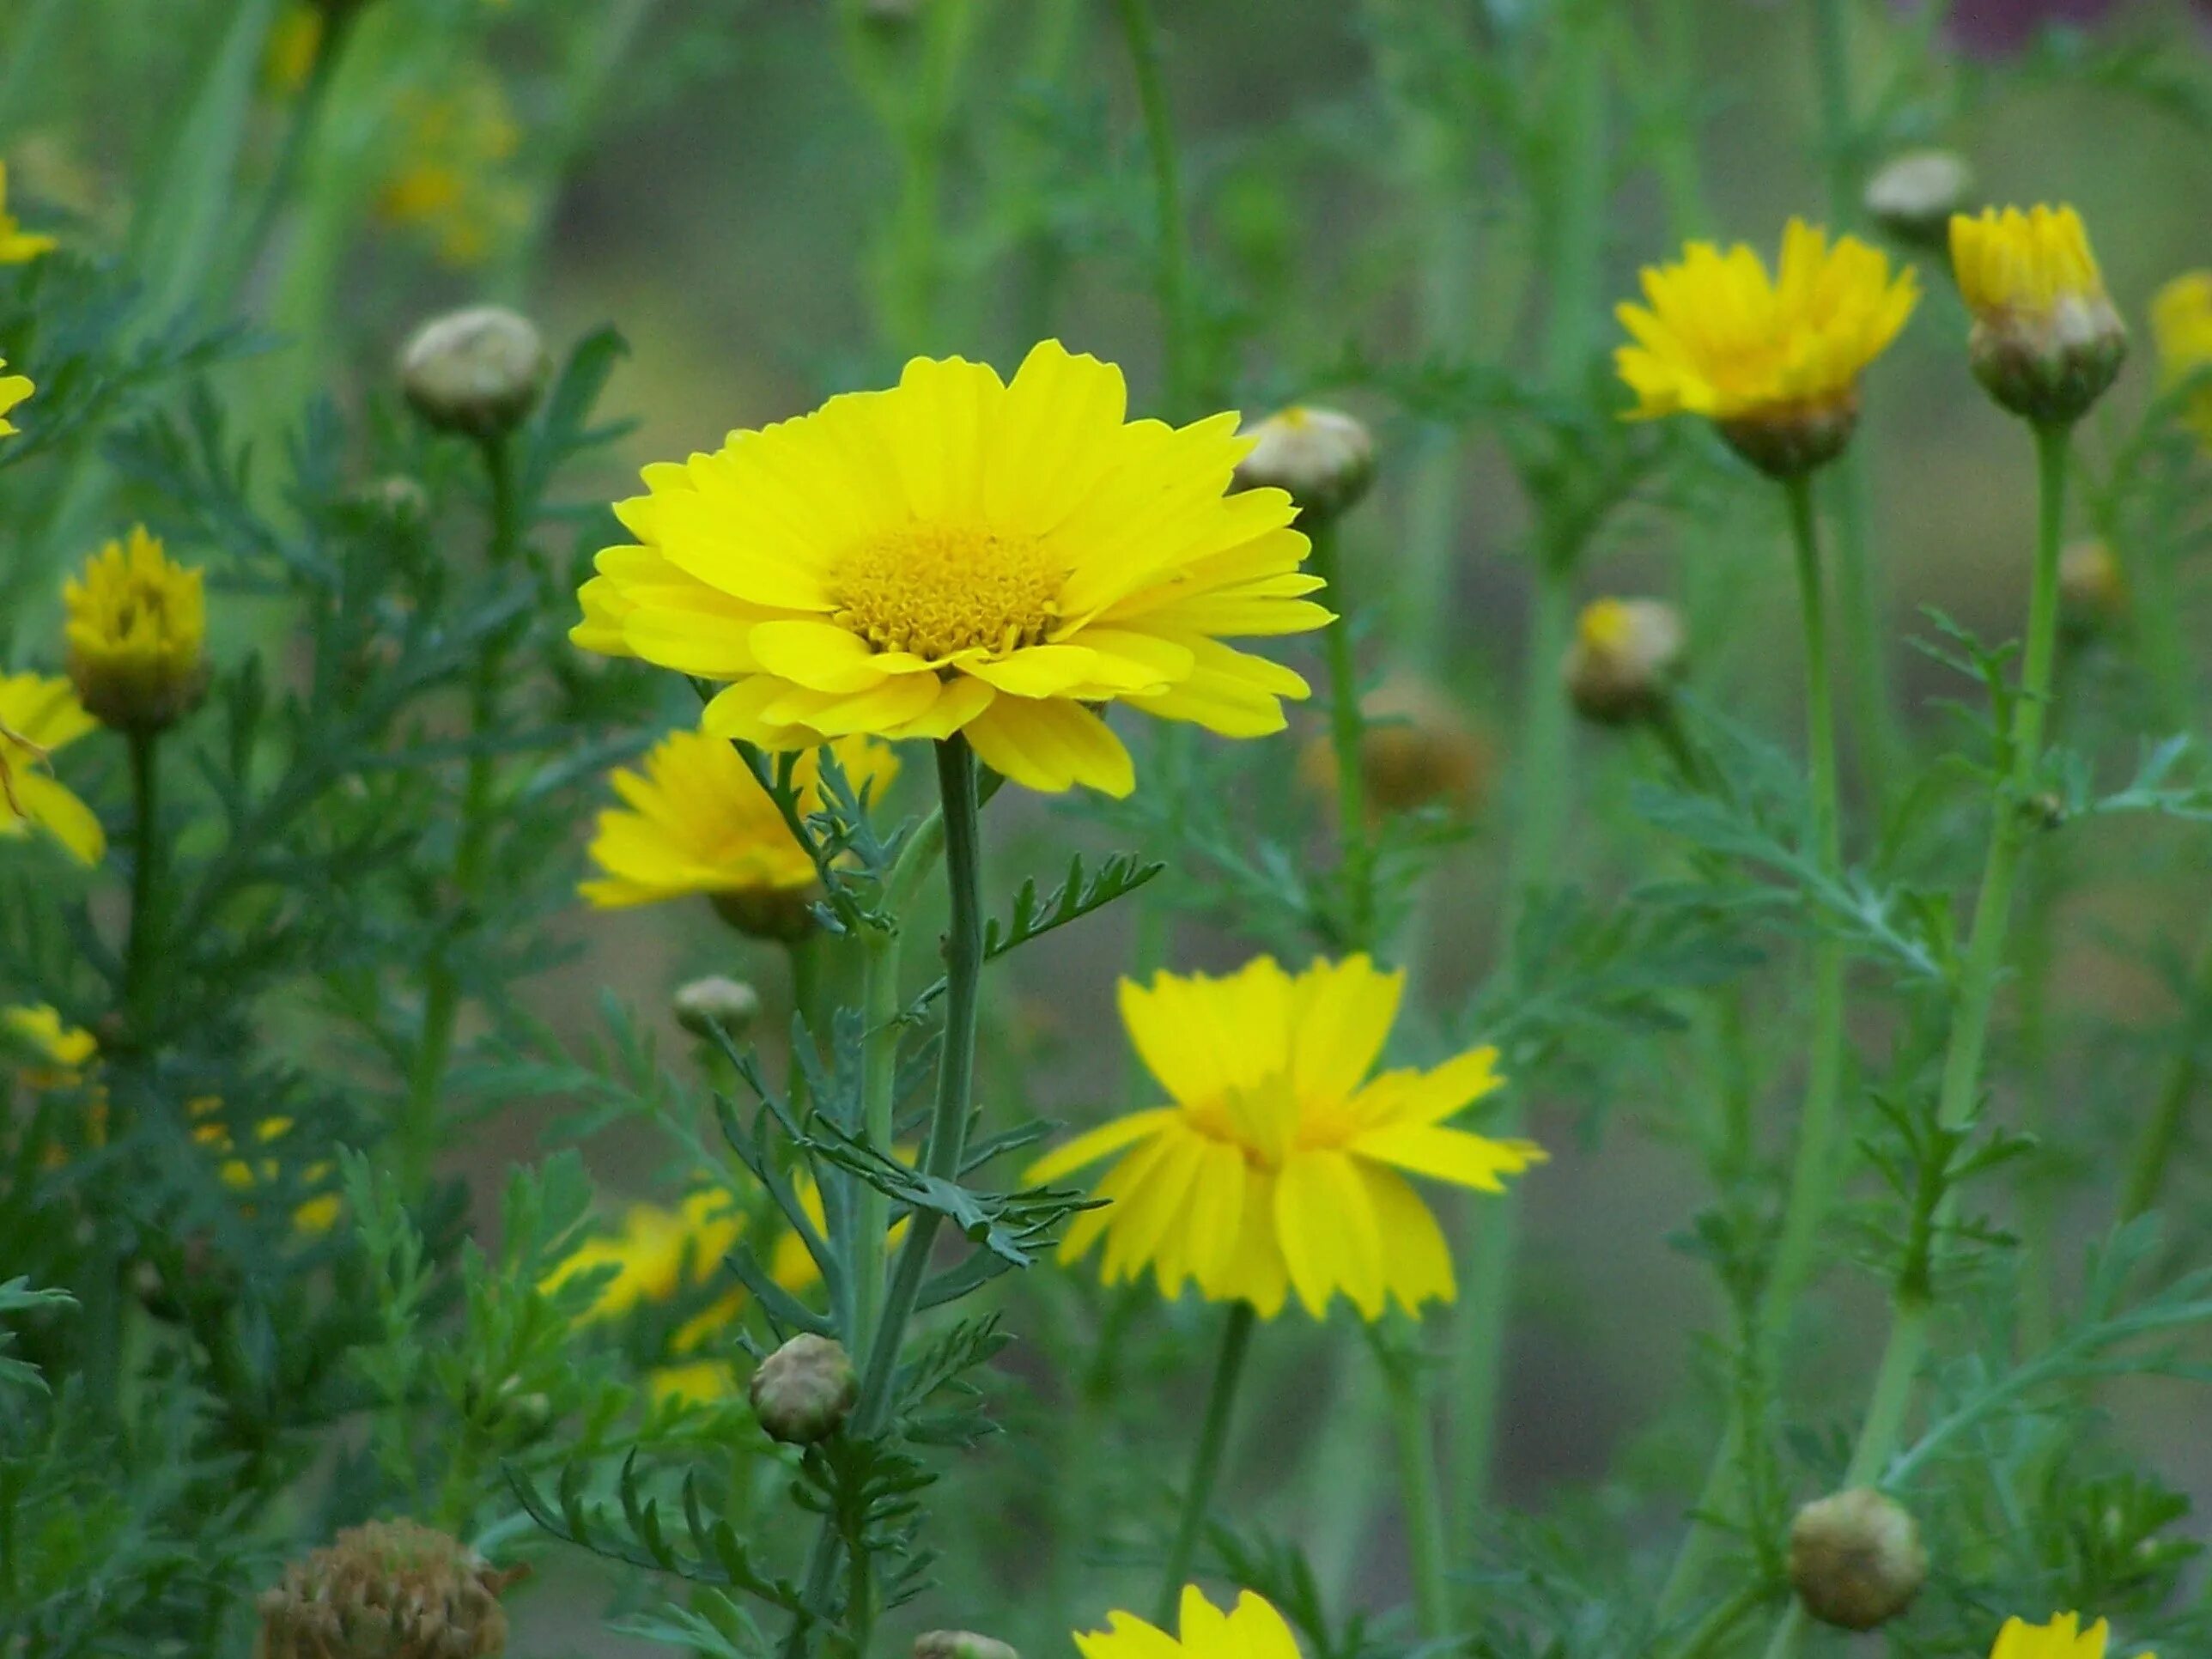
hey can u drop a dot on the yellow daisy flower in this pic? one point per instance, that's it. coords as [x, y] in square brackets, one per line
[695, 1382]
[1774, 362]
[2062, 1639]
[242, 1174]
[1250, 1630]
[17, 245]
[963, 554]
[38, 715]
[138, 633]
[2047, 340]
[696, 821]
[2181, 321]
[14, 388]
[1280, 1164]
[39, 1027]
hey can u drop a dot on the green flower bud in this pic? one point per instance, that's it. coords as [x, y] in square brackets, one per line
[804, 1390]
[477, 372]
[1913, 196]
[716, 1002]
[1856, 1559]
[1626, 658]
[784, 914]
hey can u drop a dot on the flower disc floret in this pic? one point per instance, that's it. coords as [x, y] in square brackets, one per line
[1774, 361]
[1281, 1165]
[965, 554]
[1250, 1630]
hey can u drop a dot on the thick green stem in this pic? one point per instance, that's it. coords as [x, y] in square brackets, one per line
[142, 952]
[1960, 1091]
[1171, 254]
[879, 1000]
[1411, 1428]
[1205, 1461]
[1346, 727]
[1814, 1170]
[441, 992]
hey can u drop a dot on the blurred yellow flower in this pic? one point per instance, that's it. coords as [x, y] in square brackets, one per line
[38, 715]
[1250, 1630]
[2062, 1639]
[695, 1382]
[39, 1027]
[696, 821]
[1775, 362]
[242, 1174]
[2181, 320]
[960, 553]
[138, 633]
[2047, 340]
[450, 181]
[1278, 1165]
[14, 388]
[17, 245]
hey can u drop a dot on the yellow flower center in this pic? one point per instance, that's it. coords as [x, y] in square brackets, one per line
[939, 589]
[1264, 1122]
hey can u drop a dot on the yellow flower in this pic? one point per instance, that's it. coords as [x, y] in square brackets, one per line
[1279, 1163]
[138, 634]
[2047, 341]
[1250, 1630]
[38, 715]
[67, 1047]
[14, 388]
[450, 181]
[2062, 1639]
[1775, 362]
[696, 821]
[242, 1175]
[17, 245]
[960, 553]
[2181, 319]
[695, 1382]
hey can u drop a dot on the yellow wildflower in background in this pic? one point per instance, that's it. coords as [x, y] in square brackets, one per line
[1250, 1630]
[2047, 340]
[450, 180]
[961, 554]
[2062, 1639]
[1280, 1164]
[242, 1174]
[1774, 362]
[17, 245]
[697, 821]
[38, 1026]
[2181, 322]
[38, 715]
[14, 388]
[138, 633]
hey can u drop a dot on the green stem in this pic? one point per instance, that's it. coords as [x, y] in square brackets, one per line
[2161, 1131]
[1205, 1461]
[441, 993]
[142, 952]
[922, 126]
[1411, 1426]
[1960, 1091]
[1814, 1170]
[879, 1000]
[1171, 257]
[1346, 727]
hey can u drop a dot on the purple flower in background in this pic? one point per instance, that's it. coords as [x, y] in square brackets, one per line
[1997, 29]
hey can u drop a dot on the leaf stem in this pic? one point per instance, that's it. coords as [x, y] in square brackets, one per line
[1411, 1428]
[1205, 1461]
[1346, 727]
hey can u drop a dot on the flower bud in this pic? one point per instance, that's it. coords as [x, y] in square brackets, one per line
[804, 1390]
[2047, 341]
[2093, 589]
[1787, 442]
[716, 1003]
[783, 915]
[1913, 196]
[1856, 1559]
[138, 634]
[397, 497]
[477, 372]
[1325, 459]
[1626, 658]
[1416, 750]
[391, 1589]
[960, 1644]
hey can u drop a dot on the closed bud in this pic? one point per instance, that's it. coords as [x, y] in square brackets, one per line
[1856, 1559]
[1913, 196]
[2047, 341]
[1416, 750]
[138, 634]
[391, 1589]
[2093, 590]
[717, 1002]
[477, 372]
[1625, 661]
[960, 1644]
[1788, 441]
[1324, 458]
[804, 1390]
[782, 915]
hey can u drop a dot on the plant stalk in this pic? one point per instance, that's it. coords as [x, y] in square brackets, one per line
[1410, 1427]
[1346, 727]
[1205, 1461]
[1171, 255]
